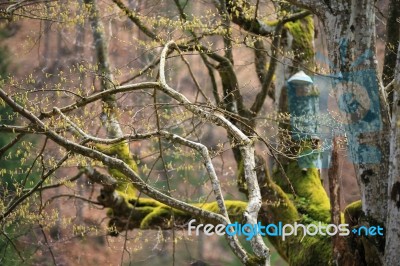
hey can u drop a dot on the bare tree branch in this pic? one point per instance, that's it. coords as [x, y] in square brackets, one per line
[247, 150]
[100, 95]
[267, 81]
[135, 19]
[116, 163]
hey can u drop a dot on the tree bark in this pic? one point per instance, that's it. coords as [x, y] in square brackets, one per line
[350, 30]
[392, 256]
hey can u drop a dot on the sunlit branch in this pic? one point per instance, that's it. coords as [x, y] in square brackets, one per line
[71, 196]
[14, 204]
[16, 129]
[110, 162]
[266, 83]
[100, 95]
[135, 19]
[202, 149]
[246, 148]
[59, 184]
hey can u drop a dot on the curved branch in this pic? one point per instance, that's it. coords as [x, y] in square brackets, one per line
[71, 196]
[246, 148]
[225, 69]
[14, 204]
[135, 19]
[100, 95]
[266, 84]
[216, 118]
[255, 25]
[202, 149]
[125, 169]
[22, 130]
[258, 27]
[315, 6]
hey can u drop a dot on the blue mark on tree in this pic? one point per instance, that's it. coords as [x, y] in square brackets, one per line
[352, 100]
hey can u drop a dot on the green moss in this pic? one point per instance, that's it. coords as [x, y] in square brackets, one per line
[316, 250]
[241, 181]
[307, 185]
[121, 151]
[311, 198]
[279, 208]
[151, 213]
[156, 216]
[354, 207]
[145, 202]
[353, 212]
[310, 250]
[143, 211]
[235, 208]
[271, 23]
[303, 37]
[254, 261]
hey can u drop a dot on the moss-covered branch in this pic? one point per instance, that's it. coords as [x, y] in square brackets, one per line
[109, 115]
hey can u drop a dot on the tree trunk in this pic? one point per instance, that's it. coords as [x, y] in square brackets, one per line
[350, 26]
[393, 221]
[351, 45]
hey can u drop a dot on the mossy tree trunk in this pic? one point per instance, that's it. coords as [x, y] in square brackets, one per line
[278, 204]
[353, 22]
[350, 29]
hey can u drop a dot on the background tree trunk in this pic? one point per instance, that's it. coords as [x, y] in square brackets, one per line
[351, 46]
[393, 221]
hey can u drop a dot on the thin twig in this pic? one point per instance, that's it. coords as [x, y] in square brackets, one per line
[48, 245]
